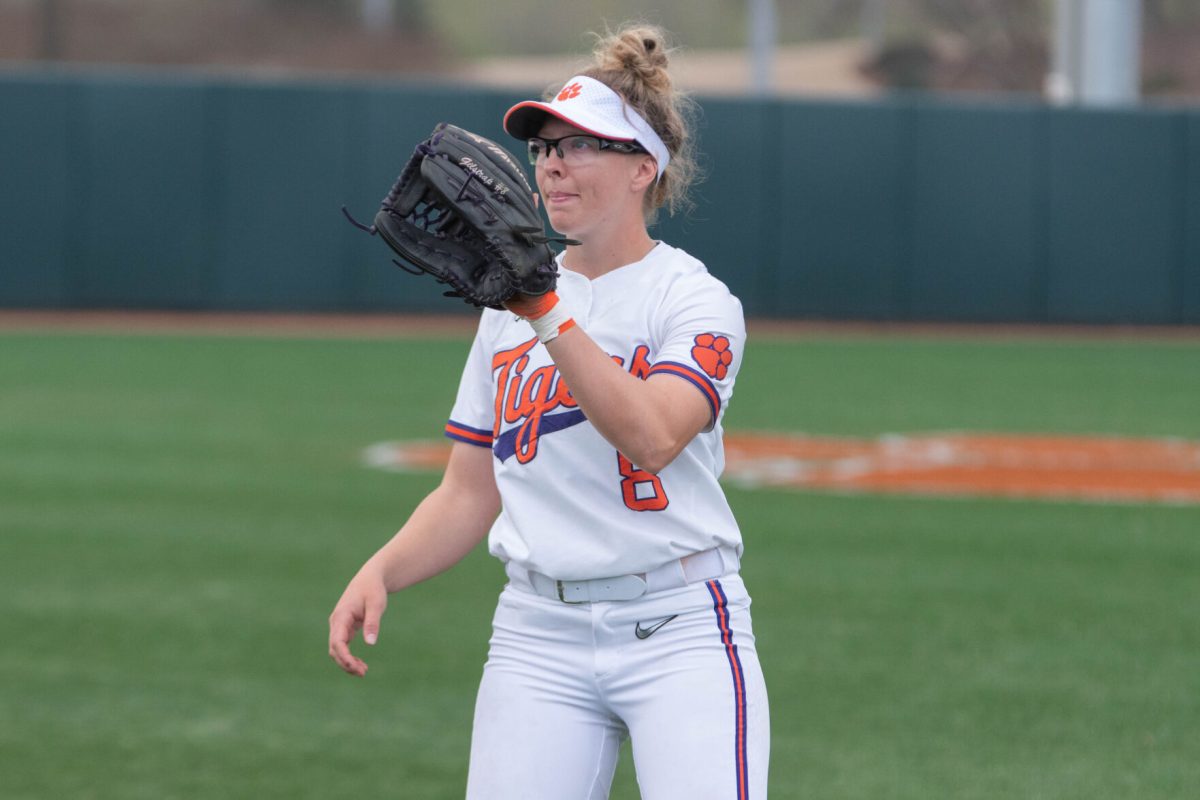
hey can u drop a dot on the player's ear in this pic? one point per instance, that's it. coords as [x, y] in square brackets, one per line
[644, 175]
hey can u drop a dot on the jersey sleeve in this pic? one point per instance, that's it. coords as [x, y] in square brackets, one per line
[473, 416]
[703, 334]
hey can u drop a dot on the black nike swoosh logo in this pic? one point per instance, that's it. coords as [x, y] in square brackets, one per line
[646, 633]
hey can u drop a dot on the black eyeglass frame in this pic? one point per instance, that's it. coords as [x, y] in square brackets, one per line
[604, 144]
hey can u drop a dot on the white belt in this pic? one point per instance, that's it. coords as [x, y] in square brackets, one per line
[693, 568]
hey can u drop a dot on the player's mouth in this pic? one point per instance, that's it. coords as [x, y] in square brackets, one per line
[557, 198]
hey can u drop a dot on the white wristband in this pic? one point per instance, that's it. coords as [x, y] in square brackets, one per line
[554, 322]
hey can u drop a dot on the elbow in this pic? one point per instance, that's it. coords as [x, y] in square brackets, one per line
[653, 456]
[655, 467]
[657, 462]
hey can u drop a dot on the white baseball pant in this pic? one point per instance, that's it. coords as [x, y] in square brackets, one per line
[564, 684]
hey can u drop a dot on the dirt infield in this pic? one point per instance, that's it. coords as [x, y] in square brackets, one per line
[1102, 469]
[205, 323]
[388, 325]
[1090, 469]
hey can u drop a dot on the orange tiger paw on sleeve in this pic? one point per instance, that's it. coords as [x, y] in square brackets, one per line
[713, 355]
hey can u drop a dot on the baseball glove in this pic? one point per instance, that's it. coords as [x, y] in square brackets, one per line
[464, 212]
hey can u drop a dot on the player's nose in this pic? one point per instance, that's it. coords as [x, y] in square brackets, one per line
[552, 162]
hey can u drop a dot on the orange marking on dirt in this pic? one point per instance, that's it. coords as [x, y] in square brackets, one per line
[1090, 468]
[1065, 467]
[408, 456]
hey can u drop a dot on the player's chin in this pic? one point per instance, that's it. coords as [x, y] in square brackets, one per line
[564, 223]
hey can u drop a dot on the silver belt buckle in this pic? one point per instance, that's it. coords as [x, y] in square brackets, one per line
[559, 585]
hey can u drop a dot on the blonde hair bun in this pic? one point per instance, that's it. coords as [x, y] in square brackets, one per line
[634, 62]
[641, 50]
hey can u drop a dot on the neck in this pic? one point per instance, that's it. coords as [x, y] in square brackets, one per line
[598, 255]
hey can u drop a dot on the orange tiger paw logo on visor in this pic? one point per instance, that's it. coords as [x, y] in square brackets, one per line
[570, 92]
[713, 355]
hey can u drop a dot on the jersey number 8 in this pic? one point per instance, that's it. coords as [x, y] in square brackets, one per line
[641, 490]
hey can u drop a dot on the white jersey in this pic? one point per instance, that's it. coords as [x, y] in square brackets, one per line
[573, 507]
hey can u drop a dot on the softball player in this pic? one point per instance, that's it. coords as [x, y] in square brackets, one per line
[587, 432]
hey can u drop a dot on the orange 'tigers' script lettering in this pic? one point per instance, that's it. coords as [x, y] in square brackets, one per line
[527, 398]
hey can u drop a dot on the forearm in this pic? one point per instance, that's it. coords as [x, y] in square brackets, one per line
[439, 533]
[633, 415]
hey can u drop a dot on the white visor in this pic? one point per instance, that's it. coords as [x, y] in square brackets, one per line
[594, 108]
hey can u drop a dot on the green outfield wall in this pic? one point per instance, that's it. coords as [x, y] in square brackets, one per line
[182, 191]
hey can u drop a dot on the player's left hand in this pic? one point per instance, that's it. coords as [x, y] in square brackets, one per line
[531, 306]
[463, 211]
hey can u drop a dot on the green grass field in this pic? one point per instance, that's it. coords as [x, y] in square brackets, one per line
[179, 513]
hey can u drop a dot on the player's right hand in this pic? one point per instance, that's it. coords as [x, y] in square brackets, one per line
[360, 607]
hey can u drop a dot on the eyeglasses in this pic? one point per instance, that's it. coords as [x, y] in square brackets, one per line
[578, 149]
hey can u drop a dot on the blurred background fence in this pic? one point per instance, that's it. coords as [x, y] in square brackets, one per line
[165, 154]
[183, 191]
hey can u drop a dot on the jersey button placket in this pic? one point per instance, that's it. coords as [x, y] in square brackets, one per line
[584, 304]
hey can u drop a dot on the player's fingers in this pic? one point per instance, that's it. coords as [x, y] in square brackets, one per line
[342, 626]
[375, 605]
[340, 653]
